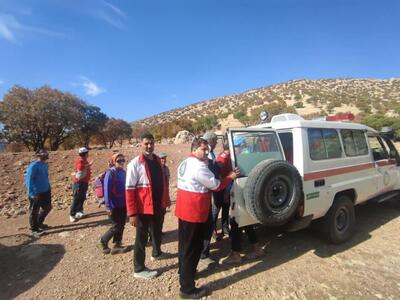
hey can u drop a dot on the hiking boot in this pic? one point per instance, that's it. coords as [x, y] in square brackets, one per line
[208, 263]
[225, 230]
[37, 233]
[103, 247]
[118, 248]
[146, 274]
[163, 255]
[233, 258]
[256, 253]
[197, 293]
[72, 219]
[44, 226]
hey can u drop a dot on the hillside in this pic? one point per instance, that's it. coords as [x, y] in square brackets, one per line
[307, 97]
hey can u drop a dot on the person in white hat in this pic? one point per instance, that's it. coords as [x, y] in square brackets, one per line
[80, 184]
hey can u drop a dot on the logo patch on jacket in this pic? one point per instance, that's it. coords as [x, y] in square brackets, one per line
[182, 168]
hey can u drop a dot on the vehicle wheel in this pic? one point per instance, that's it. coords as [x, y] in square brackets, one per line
[338, 223]
[273, 192]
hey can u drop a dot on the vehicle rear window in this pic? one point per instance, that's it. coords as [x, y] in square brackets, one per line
[253, 147]
[354, 142]
[323, 143]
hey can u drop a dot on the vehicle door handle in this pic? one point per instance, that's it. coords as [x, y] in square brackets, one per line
[320, 182]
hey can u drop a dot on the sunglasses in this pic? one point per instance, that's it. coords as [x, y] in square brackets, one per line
[120, 160]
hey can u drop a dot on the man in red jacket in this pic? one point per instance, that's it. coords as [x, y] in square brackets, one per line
[146, 199]
[193, 200]
[82, 173]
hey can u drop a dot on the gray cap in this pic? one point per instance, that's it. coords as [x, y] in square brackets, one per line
[163, 155]
[209, 135]
[41, 153]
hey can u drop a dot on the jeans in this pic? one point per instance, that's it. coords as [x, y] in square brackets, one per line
[118, 220]
[221, 200]
[236, 235]
[39, 209]
[79, 190]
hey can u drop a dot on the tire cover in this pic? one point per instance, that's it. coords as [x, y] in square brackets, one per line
[272, 192]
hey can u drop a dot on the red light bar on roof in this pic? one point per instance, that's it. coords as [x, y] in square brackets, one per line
[341, 117]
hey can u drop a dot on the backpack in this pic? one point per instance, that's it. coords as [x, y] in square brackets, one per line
[99, 183]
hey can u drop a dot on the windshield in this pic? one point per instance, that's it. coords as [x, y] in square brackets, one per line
[250, 148]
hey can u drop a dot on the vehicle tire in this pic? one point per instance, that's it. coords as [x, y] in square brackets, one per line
[339, 223]
[273, 192]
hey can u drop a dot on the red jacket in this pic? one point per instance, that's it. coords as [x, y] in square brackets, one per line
[224, 162]
[138, 192]
[195, 183]
[82, 170]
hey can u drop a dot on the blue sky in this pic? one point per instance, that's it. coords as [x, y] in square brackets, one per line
[137, 58]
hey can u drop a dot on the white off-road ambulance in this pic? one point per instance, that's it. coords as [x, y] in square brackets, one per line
[294, 171]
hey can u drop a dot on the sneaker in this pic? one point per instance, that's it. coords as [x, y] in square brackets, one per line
[72, 219]
[37, 233]
[208, 263]
[197, 293]
[118, 248]
[103, 247]
[232, 259]
[79, 215]
[146, 274]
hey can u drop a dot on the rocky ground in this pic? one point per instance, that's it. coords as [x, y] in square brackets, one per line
[65, 264]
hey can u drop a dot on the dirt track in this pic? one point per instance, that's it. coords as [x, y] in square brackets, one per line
[65, 264]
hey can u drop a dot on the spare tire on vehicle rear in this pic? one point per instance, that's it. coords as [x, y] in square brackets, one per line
[272, 192]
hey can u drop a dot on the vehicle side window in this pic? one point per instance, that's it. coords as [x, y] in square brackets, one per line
[378, 149]
[287, 144]
[324, 143]
[354, 142]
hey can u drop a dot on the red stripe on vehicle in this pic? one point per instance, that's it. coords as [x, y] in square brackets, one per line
[337, 171]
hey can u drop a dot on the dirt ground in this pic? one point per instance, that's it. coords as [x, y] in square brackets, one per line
[65, 263]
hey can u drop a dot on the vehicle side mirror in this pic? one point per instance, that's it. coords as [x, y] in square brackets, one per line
[392, 154]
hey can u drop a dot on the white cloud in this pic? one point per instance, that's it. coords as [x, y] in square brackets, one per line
[10, 27]
[91, 88]
[111, 14]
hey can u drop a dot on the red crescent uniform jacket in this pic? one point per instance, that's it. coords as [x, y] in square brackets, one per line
[138, 193]
[195, 183]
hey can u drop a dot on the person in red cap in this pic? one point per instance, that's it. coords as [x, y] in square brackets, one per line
[80, 184]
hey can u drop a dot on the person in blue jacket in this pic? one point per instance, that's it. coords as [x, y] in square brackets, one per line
[39, 192]
[114, 198]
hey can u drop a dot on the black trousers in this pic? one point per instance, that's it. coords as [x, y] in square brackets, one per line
[79, 190]
[144, 224]
[218, 204]
[236, 235]
[116, 231]
[191, 237]
[39, 209]
[208, 227]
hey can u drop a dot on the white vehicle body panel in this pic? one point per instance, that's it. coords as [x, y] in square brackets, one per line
[323, 179]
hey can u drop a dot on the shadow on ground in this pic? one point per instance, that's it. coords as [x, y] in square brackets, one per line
[24, 263]
[288, 246]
